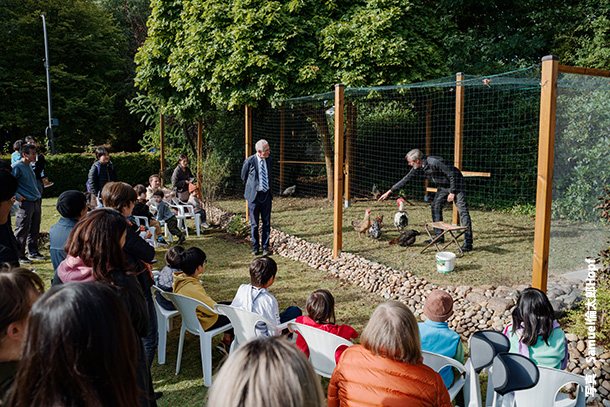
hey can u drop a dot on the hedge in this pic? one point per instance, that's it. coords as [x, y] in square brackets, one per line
[70, 171]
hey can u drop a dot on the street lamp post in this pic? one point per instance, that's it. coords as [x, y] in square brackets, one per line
[46, 65]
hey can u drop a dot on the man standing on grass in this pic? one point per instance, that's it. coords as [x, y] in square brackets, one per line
[449, 183]
[27, 219]
[256, 173]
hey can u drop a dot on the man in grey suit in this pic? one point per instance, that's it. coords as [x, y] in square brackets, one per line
[256, 173]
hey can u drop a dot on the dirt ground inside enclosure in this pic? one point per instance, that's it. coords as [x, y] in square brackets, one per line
[503, 242]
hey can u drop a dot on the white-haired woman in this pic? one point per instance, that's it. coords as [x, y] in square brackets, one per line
[387, 369]
[267, 372]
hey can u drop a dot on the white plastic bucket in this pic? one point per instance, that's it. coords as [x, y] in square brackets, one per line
[445, 262]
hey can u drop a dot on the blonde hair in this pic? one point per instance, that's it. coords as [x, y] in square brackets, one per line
[267, 372]
[392, 332]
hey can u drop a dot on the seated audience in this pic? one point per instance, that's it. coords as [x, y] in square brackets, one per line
[165, 214]
[197, 205]
[534, 332]
[9, 248]
[141, 209]
[154, 183]
[255, 298]
[187, 283]
[320, 308]
[165, 279]
[80, 350]
[71, 205]
[266, 372]
[19, 289]
[435, 335]
[95, 253]
[386, 368]
[182, 177]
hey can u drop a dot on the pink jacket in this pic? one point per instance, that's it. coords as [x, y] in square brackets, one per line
[73, 269]
[344, 331]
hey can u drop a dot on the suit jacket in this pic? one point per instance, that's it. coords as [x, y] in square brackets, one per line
[249, 174]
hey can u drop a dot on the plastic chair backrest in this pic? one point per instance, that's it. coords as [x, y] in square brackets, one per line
[188, 309]
[322, 347]
[484, 346]
[513, 372]
[545, 392]
[244, 322]
[437, 362]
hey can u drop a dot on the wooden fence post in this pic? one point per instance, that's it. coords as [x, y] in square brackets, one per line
[338, 191]
[546, 151]
[459, 137]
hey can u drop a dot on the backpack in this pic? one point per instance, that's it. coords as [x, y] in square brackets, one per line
[87, 183]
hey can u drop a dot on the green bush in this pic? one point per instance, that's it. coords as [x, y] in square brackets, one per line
[70, 171]
[238, 227]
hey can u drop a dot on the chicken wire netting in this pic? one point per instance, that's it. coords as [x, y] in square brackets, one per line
[500, 137]
[581, 170]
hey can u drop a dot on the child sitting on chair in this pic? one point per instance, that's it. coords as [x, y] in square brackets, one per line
[197, 204]
[534, 332]
[165, 214]
[187, 283]
[435, 335]
[255, 298]
[165, 279]
[141, 209]
[320, 307]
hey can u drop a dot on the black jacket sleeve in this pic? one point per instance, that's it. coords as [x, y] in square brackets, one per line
[93, 179]
[130, 292]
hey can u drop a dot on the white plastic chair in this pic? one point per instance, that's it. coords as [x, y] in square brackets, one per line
[186, 211]
[322, 347]
[163, 318]
[166, 233]
[144, 220]
[188, 309]
[437, 362]
[244, 324]
[513, 373]
[546, 392]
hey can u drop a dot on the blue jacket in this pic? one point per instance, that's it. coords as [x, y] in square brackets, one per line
[58, 236]
[249, 175]
[436, 337]
[27, 185]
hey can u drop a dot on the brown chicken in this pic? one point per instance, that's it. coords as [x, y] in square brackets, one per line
[364, 225]
[379, 220]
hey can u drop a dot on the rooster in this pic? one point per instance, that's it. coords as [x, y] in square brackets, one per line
[364, 225]
[406, 238]
[376, 192]
[375, 230]
[401, 219]
[379, 220]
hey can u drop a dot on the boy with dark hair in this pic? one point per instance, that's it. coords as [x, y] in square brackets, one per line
[141, 209]
[165, 214]
[101, 172]
[186, 282]
[38, 166]
[254, 297]
[16, 156]
[165, 279]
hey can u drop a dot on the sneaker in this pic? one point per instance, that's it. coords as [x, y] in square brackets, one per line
[255, 252]
[223, 348]
[181, 240]
[162, 241]
[46, 183]
[24, 260]
[36, 256]
[158, 395]
[267, 252]
[206, 225]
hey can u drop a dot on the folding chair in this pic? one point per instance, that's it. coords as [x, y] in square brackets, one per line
[447, 230]
[188, 309]
[437, 362]
[322, 347]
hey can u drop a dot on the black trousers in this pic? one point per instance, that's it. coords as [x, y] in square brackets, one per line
[440, 199]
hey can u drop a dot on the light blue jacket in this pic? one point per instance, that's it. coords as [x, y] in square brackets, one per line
[436, 337]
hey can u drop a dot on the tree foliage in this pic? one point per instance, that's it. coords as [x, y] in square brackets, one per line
[86, 70]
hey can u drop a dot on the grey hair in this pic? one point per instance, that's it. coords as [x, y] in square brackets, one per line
[260, 144]
[266, 372]
[392, 332]
[414, 154]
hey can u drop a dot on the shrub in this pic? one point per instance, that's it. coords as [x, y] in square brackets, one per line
[238, 227]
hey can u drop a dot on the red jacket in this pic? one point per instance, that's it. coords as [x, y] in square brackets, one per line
[344, 331]
[364, 379]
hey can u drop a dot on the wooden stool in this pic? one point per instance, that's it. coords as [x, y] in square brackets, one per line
[447, 229]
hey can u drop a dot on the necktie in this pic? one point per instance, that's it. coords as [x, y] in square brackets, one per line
[263, 176]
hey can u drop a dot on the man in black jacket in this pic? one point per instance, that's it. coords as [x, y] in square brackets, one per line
[449, 183]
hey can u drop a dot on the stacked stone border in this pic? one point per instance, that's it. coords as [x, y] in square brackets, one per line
[475, 308]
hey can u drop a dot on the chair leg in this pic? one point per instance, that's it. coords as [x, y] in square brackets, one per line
[205, 343]
[162, 324]
[180, 346]
[198, 224]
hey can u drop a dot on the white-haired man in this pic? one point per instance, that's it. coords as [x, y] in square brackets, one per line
[256, 173]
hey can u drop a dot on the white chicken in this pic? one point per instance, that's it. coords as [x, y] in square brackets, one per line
[401, 219]
[289, 191]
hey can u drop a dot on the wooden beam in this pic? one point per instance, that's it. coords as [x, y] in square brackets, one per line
[459, 129]
[546, 151]
[162, 148]
[248, 145]
[476, 174]
[583, 71]
[199, 156]
[338, 191]
[282, 131]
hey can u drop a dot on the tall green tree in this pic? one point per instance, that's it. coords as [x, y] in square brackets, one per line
[86, 68]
